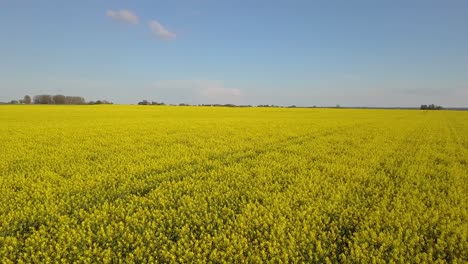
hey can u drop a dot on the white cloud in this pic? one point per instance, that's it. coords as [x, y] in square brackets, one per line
[160, 31]
[123, 15]
[198, 91]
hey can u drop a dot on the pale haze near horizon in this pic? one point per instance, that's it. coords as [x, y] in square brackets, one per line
[324, 53]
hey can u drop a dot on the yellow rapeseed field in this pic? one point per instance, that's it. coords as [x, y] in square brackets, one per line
[139, 184]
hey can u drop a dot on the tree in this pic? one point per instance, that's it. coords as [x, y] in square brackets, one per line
[431, 107]
[99, 102]
[59, 99]
[74, 100]
[27, 99]
[43, 99]
[144, 102]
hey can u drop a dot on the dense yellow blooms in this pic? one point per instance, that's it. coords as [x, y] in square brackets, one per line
[135, 184]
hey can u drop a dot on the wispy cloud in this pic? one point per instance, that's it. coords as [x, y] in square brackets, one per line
[160, 31]
[123, 15]
[198, 91]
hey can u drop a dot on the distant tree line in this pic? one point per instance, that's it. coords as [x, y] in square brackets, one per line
[56, 99]
[146, 102]
[431, 107]
[98, 102]
[224, 105]
[78, 100]
[26, 100]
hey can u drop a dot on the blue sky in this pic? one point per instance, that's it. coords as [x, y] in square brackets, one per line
[352, 53]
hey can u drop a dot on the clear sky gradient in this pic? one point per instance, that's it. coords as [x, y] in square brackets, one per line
[352, 53]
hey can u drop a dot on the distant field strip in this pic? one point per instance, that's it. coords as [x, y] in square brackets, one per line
[138, 184]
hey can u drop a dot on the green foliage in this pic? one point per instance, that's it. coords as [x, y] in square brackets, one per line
[132, 184]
